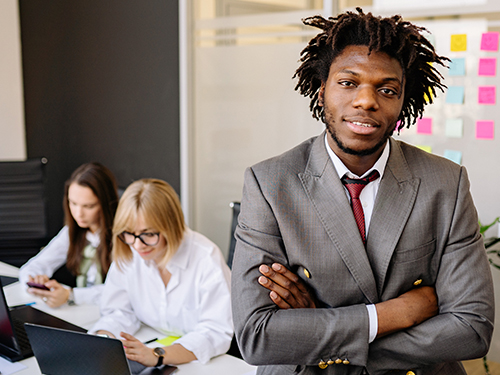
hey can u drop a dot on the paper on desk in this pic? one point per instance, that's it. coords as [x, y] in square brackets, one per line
[168, 340]
[7, 367]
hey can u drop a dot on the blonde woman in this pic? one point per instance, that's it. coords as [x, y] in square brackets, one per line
[166, 276]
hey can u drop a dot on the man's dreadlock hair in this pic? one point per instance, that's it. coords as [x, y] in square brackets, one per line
[397, 38]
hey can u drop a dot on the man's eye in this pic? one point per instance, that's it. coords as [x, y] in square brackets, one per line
[389, 92]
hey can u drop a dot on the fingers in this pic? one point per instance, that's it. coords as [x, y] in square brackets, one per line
[279, 301]
[289, 290]
[284, 291]
[53, 284]
[40, 279]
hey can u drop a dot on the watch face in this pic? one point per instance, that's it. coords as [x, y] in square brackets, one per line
[158, 351]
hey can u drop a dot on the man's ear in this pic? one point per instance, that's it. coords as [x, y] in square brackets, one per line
[321, 95]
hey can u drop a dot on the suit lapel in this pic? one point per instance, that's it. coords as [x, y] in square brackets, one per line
[395, 199]
[323, 187]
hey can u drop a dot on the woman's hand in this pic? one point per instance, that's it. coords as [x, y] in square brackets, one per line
[55, 297]
[137, 351]
[287, 289]
[103, 332]
[39, 279]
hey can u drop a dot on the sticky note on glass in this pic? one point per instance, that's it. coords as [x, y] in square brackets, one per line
[455, 95]
[489, 41]
[486, 94]
[457, 67]
[485, 129]
[424, 125]
[453, 155]
[487, 66]
[454, 127]
[425, 148]
[458, 42]
[168, 340]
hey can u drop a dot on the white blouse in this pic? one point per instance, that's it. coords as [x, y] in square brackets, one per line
[53, 256]
[195, 304]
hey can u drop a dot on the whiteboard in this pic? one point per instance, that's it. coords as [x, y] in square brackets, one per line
[480, 156]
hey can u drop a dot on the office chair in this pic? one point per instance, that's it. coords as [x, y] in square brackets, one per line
[232, 241]
[235, 206]
[23, 218]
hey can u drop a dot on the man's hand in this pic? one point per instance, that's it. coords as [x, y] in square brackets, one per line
[287, 289]
[407, 310]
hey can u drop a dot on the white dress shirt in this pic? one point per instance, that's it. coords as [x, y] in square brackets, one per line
[195, 304]
[53, 256]
[367, 198]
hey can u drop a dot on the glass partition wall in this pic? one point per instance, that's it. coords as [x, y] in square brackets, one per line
[240, 106]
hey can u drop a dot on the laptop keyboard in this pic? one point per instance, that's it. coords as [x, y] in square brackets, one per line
[21, 336]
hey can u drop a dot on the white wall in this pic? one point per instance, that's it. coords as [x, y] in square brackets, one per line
[12, 130]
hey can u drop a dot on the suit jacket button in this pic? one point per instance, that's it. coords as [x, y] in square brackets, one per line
[338, 361]
[322, 365]
[307, 273]
[346, 361]
[410, 373]
[417, 282]
[330, 362]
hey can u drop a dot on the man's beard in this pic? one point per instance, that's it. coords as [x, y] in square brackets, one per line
[350, 151]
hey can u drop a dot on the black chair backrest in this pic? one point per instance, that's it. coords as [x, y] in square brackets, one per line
[23, 219]
[234, 222]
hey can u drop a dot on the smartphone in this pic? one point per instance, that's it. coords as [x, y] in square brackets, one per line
[32, 284]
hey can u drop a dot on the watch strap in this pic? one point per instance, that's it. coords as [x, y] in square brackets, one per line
[160, 361]
[71, 298]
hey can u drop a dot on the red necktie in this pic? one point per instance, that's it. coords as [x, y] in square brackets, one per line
[355, 186]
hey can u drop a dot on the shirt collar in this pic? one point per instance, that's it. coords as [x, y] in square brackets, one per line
[93, 238]
[181, 257]
[342, 169]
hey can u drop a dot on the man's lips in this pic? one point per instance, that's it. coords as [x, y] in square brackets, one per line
[363, 124]
[362, 127]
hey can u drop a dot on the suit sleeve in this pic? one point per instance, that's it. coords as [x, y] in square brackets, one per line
[464, 326]
[266, 334]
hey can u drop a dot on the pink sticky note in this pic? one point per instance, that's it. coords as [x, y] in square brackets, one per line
[486, 95]
[485, 129]
[487, 66]
[489, 41]
[424, 125]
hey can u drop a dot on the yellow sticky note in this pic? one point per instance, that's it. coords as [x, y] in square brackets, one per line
[458, 42]
[168, 340]
[425, 148]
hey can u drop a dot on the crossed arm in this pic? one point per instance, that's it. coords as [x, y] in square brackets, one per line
[409, 309]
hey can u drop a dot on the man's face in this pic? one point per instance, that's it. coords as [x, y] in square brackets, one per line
[362, 100]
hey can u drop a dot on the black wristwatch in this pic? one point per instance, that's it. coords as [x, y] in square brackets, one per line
[159, 352]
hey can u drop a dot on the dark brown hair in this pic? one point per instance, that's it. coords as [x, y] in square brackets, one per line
[399, 39]
[102, 183]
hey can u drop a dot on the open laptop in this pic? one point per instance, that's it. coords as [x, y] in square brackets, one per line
[62, 352]
[14, 344]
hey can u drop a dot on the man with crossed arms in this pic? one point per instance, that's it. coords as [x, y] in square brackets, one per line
[401, 285]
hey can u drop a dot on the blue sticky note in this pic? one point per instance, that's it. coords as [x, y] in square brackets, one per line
[457, 67]
[453, 155]
[455, 95]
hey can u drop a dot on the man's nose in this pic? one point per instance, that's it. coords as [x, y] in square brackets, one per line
[366, 98]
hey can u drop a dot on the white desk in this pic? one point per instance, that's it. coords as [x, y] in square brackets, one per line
[86, 315]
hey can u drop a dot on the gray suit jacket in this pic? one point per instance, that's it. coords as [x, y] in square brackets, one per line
[424, 227]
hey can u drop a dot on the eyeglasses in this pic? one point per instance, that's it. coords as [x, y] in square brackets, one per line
[148, 239]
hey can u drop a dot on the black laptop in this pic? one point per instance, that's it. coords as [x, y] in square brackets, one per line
[14, 344]
[62, 352]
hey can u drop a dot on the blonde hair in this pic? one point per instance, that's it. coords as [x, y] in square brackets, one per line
[157, 203]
